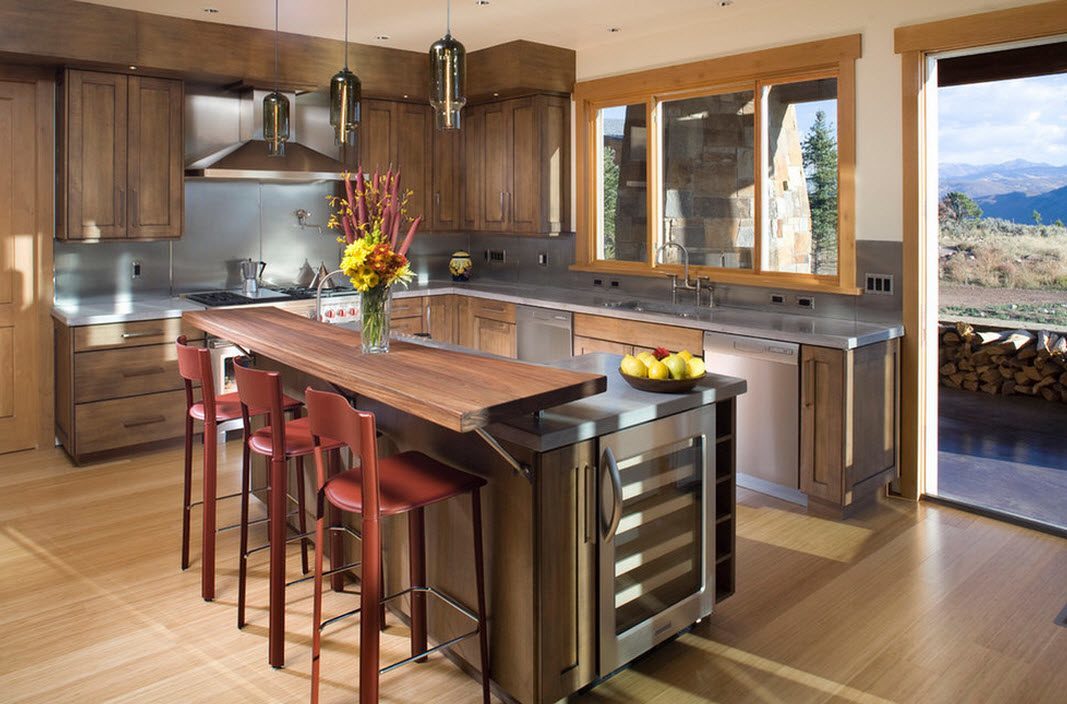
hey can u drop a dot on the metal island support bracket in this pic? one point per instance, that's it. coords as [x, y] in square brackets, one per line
[520, 467]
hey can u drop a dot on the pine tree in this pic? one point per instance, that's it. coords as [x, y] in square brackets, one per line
[611, 200]
[958, 206]
[820, 163]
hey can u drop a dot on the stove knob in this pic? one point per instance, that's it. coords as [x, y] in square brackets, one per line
[340, 312]
[352, 311]
[328, 314]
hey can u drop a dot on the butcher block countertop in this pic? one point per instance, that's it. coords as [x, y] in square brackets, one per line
[454, 389]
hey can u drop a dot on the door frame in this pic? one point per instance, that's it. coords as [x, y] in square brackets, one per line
[44, 81]
[914, 43]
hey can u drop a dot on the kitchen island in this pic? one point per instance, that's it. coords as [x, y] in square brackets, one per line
[609, 511]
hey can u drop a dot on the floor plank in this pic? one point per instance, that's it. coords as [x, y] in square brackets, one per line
[907, 602]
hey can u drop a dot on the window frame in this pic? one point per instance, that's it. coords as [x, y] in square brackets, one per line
[831, 58]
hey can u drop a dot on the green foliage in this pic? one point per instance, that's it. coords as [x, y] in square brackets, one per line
[1037, 218]
[820, 162]
[611, 200]
[995, 253]
[958, 206]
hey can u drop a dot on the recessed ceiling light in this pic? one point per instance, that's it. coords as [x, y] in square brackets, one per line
[725, 3]
[133, 68]
[382, 37]
[481, 3]
[614, 30]
[211, 10]
[405, 95]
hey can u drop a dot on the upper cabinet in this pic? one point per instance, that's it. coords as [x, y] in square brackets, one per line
[516, 157]
[120, 161]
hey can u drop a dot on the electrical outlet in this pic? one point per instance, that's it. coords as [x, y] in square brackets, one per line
[542, 258]
[807, 302]
[598, 282]
[614, 284]
[778, 299]
[494, 255]
[879, 283]
[135, 270]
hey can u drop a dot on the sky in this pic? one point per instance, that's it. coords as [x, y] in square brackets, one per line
[990, 123]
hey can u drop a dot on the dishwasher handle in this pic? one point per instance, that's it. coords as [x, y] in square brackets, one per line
[742, 346]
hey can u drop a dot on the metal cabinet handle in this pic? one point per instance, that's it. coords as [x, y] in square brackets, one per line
[144, 371]
[612, 524]
[144, 421]
[589, 515]
[809, 383]
[147, 333]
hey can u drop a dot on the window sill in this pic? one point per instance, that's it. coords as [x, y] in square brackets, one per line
[785, 282]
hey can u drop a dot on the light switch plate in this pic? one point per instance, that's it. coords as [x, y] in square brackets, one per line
[879, 284]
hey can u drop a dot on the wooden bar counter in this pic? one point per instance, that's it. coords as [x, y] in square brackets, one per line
[608, 511]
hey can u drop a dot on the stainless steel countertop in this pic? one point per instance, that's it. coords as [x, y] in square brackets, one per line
[802, 329]
[620, 406]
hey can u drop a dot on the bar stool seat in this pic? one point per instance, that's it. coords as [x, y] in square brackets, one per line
[228, 407]
[407, 481]
[298, 442]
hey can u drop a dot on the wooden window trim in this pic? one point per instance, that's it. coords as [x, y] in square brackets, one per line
[913, 43]
[752, 70]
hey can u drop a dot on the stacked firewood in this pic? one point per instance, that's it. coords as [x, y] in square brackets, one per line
[1004, 361]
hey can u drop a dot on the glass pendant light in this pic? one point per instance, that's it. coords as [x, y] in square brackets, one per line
[448, 78]
[275, 107]
[345, 94]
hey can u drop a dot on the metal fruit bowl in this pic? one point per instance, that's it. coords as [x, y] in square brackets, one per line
[662, 386]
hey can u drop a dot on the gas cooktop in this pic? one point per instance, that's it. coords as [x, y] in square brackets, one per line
[236, 298]
[305, 292]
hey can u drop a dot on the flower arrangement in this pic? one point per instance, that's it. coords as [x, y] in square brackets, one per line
[370, 218]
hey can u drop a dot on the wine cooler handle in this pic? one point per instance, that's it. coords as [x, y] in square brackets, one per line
[612, 524]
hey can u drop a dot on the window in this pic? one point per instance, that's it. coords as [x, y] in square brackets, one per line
[751, 173]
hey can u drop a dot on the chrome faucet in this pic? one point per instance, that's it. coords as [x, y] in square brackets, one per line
[317, 315]
[688, 284]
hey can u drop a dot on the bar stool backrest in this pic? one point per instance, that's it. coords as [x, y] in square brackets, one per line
[194, 366]
[261, 389]
[330, 415]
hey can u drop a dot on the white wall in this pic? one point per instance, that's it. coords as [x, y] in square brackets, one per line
[759, 24]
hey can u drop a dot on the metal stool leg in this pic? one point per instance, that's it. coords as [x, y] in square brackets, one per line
[417, 560]
[187, 490]
[479, 569]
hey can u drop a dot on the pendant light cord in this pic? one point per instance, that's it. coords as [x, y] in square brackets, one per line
[276, 45]
[346, 35]
[448, 19]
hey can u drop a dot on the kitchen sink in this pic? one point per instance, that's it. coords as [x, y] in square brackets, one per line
[646, 307]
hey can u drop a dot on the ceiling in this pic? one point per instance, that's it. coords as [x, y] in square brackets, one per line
[415, 24]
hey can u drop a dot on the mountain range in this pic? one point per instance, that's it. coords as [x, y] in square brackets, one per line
[1012, 190]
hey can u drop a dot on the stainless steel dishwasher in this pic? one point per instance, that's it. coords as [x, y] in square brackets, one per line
[768, 415]
[544, 335]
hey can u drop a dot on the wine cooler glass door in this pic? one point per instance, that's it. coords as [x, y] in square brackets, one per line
[656, 563]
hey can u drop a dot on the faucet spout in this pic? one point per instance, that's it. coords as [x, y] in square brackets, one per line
[318, 294]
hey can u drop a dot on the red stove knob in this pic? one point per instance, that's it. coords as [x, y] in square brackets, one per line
[352, 311]
[328, 314]
[340, 312]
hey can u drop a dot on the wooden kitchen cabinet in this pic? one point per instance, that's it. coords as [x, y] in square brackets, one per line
[849, 424]
[487, 325]
[407, 316]
[120, 172]
[600, 333]
[515, 173]
[445, 180]
[442, 318]
[117, 385]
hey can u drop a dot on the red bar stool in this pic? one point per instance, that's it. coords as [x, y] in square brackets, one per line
[403, 483]
[279, 441]
[194, 366]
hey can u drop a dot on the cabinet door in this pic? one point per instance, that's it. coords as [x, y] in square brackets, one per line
[445, 180]
[378, 135]
[441, 319]
[95, 155]
[464, 322]
[822, 423]
[154, 159]
[406, 326]
[496, 172]
[414, 157]
[494, 337]
[589, 345]
[473, 166]
[523, 198]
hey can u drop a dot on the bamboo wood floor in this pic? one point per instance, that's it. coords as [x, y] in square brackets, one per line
[908, 603]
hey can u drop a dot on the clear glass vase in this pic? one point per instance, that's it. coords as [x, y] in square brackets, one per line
[374, 318]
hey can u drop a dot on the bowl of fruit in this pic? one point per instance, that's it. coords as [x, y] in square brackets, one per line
[662, 371]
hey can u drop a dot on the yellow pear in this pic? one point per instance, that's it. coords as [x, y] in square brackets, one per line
[632, 366]
[696, 368]
[658, 370]
[647, 357]
[676, 366]
[686, 355]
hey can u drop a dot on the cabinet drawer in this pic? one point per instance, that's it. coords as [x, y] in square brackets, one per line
[589, 345]
[133, 334]
[494, 310]
[407, 307]
[406, 326]
[117, 373]
[108, 425]
[637, 333]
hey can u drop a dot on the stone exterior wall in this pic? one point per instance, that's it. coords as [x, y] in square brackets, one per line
[787, 212]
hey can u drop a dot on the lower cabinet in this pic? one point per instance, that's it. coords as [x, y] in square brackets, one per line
[117, 385]
[600, 333]
[849, 423]
[442, 320]
[407, 316]
[487, 326]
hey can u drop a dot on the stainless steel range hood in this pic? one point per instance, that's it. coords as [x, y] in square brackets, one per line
[248, 160]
